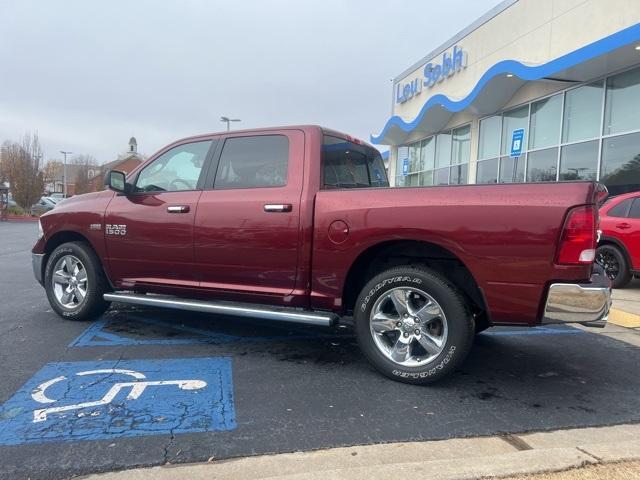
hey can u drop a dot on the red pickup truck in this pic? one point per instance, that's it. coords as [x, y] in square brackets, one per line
[298, 224]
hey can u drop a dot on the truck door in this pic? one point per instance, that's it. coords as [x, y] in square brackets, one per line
[149, 233]
[247, 227]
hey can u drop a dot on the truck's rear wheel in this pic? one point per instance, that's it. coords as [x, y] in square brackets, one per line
[412, 325]
[75, 282]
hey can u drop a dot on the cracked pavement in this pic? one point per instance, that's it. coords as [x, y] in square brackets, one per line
[302, 392]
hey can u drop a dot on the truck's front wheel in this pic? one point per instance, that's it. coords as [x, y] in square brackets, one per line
[412, 325]
[75, 282]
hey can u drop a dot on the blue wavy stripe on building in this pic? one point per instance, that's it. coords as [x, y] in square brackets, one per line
[525, 72]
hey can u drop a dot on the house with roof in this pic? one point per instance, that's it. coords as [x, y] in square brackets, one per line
[126, 162]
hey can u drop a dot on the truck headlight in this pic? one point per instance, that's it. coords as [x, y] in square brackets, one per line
[40, 231]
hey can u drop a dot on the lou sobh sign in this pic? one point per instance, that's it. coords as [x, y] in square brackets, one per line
[452, 62]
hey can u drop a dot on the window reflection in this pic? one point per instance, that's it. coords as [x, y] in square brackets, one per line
[542, 165]
[489, 143]
[443, 150]
[487, 171]
[441, 176]
[512, 169]
[579, 161]
[620, 170]
[461, 145]
[582, 113]
[458, 175]
[621, 107]
[513, 120]
[545, 122]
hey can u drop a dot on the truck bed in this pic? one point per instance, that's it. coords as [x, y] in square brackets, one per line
[506, 235]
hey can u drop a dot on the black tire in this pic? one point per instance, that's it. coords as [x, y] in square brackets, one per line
[459, 321]
[481, 328]
[615, 265]
[93, 305]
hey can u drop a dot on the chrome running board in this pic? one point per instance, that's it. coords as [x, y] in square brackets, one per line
[284, 314]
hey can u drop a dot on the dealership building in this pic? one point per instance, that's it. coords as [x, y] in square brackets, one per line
[533, 91]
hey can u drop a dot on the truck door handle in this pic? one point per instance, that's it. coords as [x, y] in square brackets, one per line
[623, 225]
[278, 207]
[178, 208]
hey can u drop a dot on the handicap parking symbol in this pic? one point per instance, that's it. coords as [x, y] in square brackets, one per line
[73, 401]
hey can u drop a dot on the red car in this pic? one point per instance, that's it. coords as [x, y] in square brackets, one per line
[619, 247]
[297, 224]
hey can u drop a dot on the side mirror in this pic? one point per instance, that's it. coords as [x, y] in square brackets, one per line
[115, 180]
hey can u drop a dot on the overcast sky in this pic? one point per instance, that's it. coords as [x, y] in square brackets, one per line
[87, 75]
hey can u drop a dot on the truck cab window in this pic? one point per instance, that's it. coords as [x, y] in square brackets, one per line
[176, 170]
[253, 162]
[349, 165]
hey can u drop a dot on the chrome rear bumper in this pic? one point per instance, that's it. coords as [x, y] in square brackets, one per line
[587, 303]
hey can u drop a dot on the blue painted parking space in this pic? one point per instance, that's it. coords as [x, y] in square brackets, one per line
[73, 401]
[525, 331]
[162, 328]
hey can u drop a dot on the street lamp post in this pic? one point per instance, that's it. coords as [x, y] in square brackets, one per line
[228, 121]
[38, 158]
[64, 173]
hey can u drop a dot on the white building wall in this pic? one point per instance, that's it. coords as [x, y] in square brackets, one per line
[530, 31]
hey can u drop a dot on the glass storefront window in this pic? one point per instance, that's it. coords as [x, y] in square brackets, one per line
[545, 122]
[430, 159]
[412, 180]
[403, 152]
[441, 176]
[443, 150]
[563, 131]
[489, 140]
[428, 153]
[582, 113]
[621, 105]
[511, 169]
[458, 175]
[513, 120]
[542, 165]
[620, 170]
[461, 145]
[426, 178]
[579, 161]
[487, 171]
[414, 157]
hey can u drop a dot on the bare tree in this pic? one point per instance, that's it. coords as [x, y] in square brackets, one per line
[4, 167]
[86, 166]
[21, 168]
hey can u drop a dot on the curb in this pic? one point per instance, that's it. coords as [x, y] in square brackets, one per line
[455, 459]
[13, 218]
[624, 319]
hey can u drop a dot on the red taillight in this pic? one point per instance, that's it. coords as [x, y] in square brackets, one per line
[578, 238]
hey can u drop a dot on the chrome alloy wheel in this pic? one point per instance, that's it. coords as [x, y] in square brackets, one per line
[408, 326]
[69, 282]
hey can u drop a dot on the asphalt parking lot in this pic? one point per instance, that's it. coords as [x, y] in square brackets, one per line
[147, 387]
